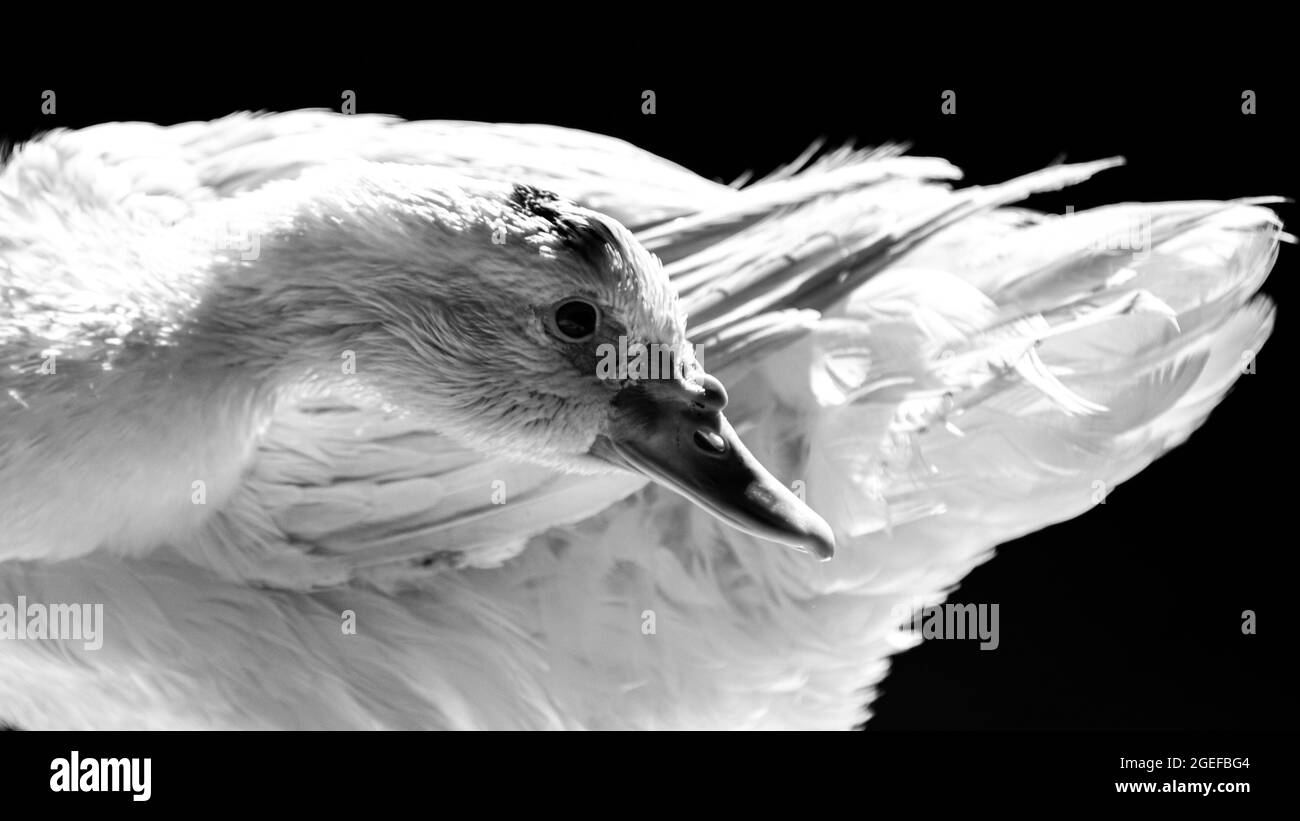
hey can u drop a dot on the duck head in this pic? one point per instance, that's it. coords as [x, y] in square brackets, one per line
[519, 324]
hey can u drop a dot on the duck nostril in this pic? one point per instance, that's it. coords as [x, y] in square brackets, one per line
[710, 442]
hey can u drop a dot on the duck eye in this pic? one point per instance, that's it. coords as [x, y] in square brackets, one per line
[575, 320]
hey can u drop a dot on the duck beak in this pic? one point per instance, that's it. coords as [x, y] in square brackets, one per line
[673, 432]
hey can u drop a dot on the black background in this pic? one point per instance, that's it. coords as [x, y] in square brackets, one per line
[1126, 618]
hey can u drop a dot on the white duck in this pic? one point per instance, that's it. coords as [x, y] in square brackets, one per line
[374, 401]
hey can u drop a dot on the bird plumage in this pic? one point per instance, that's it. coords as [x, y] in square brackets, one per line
[940, 372]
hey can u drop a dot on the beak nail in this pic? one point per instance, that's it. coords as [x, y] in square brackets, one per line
[710, 442]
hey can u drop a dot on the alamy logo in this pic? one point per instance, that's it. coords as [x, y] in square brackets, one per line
[62, 622]
[75, 774]
[945, 621]
[1134, 236]
[637, 360]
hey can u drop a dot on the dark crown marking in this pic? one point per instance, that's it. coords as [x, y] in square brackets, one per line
[582, 233]
[536, 202]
